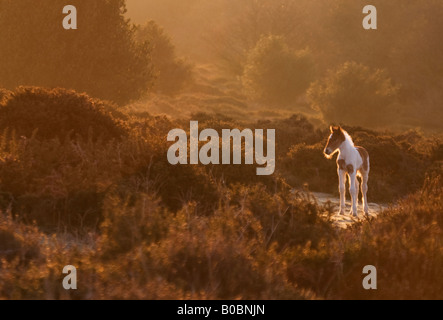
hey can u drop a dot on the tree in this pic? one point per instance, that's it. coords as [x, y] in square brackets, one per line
[241, 24]
[354, 94]
[100, 57]
[172, 73]
[276, 74]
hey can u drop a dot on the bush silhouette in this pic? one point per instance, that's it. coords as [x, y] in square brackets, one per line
[275, 74]
[100, 57]
[64, 182]
[354, 94]
[51, 113]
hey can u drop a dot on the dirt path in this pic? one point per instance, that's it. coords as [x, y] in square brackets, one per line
[343, 221]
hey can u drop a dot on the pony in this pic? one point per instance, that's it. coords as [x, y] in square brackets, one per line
[351, 161]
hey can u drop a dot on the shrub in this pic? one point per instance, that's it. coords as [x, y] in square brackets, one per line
[305, 164]
[129, 223]
[222, 256]
[275, 74]
[172, 73]
[64, 184]
[403, 243]
[287, 218]
[291, 131]
[100, 57]
[183, 184]
[19, 242]
[354, 94]
[59, 185]
[50, 113]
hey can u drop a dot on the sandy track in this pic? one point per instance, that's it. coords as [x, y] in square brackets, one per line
[343, 221]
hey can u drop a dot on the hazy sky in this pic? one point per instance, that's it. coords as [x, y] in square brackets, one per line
[185, 21]
[138, 10]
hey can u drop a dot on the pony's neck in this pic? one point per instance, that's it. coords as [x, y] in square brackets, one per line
[346, 145]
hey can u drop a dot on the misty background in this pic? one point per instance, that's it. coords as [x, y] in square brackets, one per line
[242, 59]
[400, 63]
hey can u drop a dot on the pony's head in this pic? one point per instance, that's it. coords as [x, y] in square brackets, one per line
[335, 140]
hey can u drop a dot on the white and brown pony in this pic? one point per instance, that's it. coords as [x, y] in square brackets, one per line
[352, 161]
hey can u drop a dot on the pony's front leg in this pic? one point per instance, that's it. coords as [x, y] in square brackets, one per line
[353, 190]
[342, 190]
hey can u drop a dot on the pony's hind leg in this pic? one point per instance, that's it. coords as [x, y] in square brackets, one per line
[353, 190]
[364, 190]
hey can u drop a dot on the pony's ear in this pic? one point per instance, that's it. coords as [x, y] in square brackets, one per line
[331, 128]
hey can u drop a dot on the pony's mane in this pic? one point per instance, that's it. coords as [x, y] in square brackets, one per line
[348, 137]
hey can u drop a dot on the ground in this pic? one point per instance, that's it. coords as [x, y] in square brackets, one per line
[343, 221]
